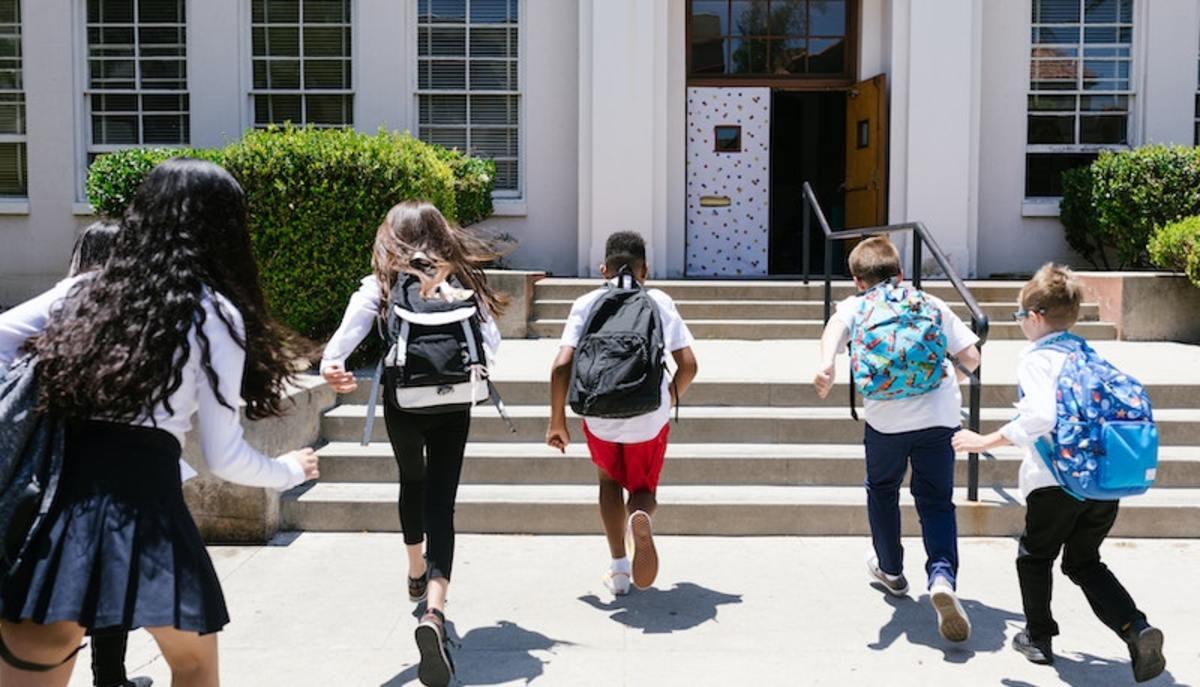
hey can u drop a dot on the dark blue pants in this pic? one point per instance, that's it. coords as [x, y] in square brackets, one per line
[932, 486]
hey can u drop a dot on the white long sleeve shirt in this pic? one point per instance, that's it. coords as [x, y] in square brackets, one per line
[360, 318]
[220, 431]
[1037, 375]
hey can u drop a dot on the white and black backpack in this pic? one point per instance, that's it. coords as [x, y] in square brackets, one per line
[435, 360]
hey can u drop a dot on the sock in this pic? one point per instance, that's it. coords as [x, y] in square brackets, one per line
[621, 565]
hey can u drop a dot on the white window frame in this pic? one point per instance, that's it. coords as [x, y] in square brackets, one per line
[248, 70]
[1036, 205]
[507, 202]
[22, 138]
[83, 109]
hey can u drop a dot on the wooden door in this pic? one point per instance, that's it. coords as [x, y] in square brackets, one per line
[866, 154]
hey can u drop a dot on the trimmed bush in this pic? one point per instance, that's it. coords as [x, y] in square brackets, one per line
[1132, 194]
[1176, 247]
[1077, 212]
[115, 177]
[474, 180]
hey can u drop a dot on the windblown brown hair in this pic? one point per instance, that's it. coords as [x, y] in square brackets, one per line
[1056, 293]
[418, 227]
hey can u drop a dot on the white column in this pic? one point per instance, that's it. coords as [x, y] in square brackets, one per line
[1168, 71]
[384, 48]
[935, 121]
[218, 70]
[623, 126]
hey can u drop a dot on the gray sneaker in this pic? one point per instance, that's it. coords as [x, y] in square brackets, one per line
[895, 585]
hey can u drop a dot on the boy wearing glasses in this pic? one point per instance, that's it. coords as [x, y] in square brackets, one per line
[1054, 519]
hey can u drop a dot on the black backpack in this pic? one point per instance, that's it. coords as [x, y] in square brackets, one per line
[435, 360]
[619, 362]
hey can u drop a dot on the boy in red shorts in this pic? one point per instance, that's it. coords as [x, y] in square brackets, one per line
[628, 451]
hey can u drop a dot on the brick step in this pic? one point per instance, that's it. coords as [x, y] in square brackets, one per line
[705, 510]
[759, 330]
[692, 290]
[787, 310]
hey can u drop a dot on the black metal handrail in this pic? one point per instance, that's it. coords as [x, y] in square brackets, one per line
[979, 320]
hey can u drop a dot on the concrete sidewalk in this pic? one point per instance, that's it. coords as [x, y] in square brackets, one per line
[331, 609]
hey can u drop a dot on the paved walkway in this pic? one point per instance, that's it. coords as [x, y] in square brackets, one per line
[318, 609]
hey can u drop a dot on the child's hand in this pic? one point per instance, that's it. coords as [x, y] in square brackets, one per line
[308, 461]
[823, 380]
[966, 441]
[342, 382]
[557, 436]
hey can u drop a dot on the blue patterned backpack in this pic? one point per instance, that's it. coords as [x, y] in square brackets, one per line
[1105, 444]
[898, 345]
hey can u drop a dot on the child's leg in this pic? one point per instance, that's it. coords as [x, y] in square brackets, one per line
[408, 448]
[446, 437]
[612, 513]
[1081, 562]
[887, 461]
[643, 467]
[1050, 516]
[933, 490]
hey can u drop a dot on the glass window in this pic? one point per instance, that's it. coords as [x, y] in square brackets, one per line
[13, 180]
[302, 62]
[1080, 88]
[468, 90]
[137, 74]
[768, 37]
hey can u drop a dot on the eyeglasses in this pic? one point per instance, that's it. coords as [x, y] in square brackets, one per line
[1024, 313]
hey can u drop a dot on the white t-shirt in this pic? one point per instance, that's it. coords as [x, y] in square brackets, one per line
[1037, 411]
[676, 337]
[941, 407]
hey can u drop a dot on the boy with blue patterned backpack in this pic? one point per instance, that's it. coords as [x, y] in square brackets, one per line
[1090, 440]
[904, 345]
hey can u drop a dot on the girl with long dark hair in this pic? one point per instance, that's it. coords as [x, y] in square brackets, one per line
[170, 333]
[418, 252]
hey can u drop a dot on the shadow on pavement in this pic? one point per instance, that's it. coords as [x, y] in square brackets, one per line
[491, 655]
[917, 622]
[661, 611]
[1086, 670]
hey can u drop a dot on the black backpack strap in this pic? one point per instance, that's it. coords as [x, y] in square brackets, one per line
[853, 409]
[369, 426]
[29, 666]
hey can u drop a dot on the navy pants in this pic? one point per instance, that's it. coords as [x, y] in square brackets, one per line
[932, 486]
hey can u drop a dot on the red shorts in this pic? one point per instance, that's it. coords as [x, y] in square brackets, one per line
[636, 467]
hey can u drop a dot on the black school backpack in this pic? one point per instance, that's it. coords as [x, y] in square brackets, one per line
[435, 360]
[619, 362]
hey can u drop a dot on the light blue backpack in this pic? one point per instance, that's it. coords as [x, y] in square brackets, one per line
[1105, 444]
[898, 345]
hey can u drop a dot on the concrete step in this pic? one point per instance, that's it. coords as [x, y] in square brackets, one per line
[758, 330]
[694, 289]
[705, 510]
[771, 425]
[714, 464]
[735, 393]
[998, 313]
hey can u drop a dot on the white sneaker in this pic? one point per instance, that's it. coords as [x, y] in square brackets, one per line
[617, 581]
[953, 624]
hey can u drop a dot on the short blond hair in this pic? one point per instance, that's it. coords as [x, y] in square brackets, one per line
[1055, 292]
[874, 260]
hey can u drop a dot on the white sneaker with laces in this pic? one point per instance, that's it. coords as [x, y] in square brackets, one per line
[953, 624]
[617, 578]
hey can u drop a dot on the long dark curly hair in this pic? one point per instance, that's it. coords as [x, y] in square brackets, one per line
[117, 347]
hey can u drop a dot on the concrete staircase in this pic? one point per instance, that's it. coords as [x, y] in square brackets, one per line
[755, 452]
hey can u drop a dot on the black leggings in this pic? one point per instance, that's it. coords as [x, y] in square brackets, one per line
[108, 657]
[429, 452]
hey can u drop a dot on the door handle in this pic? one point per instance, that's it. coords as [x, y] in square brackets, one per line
[715, 201]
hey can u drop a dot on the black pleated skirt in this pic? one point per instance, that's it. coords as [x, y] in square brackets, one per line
[119, 548]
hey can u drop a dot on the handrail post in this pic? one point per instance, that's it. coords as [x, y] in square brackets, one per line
[806, 211]
[918, 239]
[828, 277]
[973, 422]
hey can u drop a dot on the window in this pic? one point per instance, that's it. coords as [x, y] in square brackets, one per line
[468, 95]
[137, 74]
[1080, 88]
[302, 62]
[13, 181]
[768, 37]
[728, 138]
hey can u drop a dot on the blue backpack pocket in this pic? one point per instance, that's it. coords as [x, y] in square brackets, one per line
[1130, 460]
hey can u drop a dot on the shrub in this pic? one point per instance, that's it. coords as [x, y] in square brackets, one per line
[1137, 191]
[115, 177]
[1077, 211]
[1177, 247]
[474, 180]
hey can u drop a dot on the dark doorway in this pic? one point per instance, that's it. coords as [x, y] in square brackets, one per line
[808, 143]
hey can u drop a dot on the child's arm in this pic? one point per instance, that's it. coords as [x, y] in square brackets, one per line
[356, 324]
[833, 340]
[686, 368]
[966, 360]
[557, 435]
[1036, 413]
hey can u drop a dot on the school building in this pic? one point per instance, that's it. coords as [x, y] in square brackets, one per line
[692, 121]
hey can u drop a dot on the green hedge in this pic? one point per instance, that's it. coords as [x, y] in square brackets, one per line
[316, 198]
[1176, 247]
[1127, 197]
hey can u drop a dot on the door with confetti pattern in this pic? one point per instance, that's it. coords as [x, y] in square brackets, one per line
[728, 181]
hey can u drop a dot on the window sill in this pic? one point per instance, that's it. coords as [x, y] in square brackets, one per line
[83, 210]
[14, 206]
[509, 208]
[1040, 207]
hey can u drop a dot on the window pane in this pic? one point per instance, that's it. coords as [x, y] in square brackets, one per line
[446, 41]
[165, 103]
[1056, 35]
[110, 11]
[492, 109]
[10, 11]
[749, 17]
[1100, 11]
[447, 138]
[1051, 103]
[789, 17]
[160, 11]
[327, 41]
[112, 74]
[327, 74]
[749, 56]
[443, 109]
[12, 169]
[491, 143]
[789, 56]
[326, 11]
[282, 41]
[826, 56]
[710, 18]
[115, 129]
[442, 11]
[277, 109]
[329, 110]
[1058, 129]
[1055, 11]
[708, 55]
[493, 76]
[282, 11]
[506, 175]
[12, 113]
[111, 103]
[443, 75]
[489, 43]
[491, 12]
[165, 129]
[283, 74]
[1104, 129]
[1043, 172]
[827, 18]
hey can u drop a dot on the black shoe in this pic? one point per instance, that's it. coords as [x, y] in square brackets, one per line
[418, 588]
[1145, 651]
[1036, 650]
[436, 668]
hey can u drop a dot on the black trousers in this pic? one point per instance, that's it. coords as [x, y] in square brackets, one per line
[429, 452]
[1054, 521]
